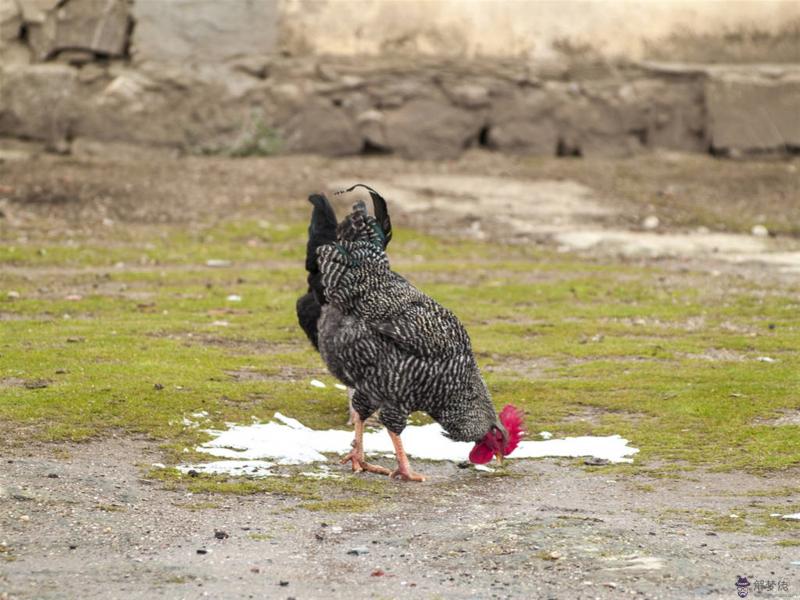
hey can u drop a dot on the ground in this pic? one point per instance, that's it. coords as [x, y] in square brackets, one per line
[680, 333]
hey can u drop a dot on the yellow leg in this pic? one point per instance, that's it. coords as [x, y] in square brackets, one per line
[356, 455]
[403, 470]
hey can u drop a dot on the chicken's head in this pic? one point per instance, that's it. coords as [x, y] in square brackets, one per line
[501, 439]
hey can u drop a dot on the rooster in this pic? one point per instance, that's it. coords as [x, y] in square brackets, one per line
[396, 348]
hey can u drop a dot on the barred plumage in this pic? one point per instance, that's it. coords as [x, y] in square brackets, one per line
[399, 349]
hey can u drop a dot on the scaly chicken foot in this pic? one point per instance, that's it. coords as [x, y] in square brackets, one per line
[403, 470]
[356, 455]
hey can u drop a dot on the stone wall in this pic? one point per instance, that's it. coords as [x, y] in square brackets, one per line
[548, 30]
[245, 77]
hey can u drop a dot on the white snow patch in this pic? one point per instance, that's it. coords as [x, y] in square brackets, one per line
[791, 517]
[251, 468]
[216, 262]
[317, 383]
[339, 386]
[545, 435]
[319, 474]
[234, 298]
[766, 359]
[289, 442]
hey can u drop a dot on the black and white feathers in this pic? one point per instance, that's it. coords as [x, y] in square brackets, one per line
[323, 229]
[398, 349]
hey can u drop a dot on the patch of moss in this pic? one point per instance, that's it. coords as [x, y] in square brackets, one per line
[141, 347]
[355, 504]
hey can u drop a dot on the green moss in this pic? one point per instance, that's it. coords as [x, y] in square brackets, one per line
[110, 507]
[665, 359]
[355, 504]
[198, 506]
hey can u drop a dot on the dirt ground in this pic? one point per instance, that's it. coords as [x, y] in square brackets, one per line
[83, 521]
[92, 527]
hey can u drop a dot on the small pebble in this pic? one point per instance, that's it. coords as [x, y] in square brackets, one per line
[759, 231]
[651, 222]
[214, 262]
[52, 475]
[596, 462]
[36, 384]
[24, 518]
[610, 584]
[221, 535]
[358, 551]
[158, 386]
[12, 295]
[202, 551]
[283, 583]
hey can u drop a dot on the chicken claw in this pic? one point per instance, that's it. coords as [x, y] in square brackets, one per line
[406, 475]
[359, 464]
[356, 455]
[403, 470]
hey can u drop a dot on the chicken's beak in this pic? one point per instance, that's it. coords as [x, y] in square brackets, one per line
[499, 456]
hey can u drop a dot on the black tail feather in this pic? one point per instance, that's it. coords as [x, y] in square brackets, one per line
[308, 313]
[381, 211]
[321, 231]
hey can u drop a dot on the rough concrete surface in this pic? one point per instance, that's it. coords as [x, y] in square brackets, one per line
[90, 527]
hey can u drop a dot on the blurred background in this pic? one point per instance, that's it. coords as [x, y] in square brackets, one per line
[606, 193]
[420, 79]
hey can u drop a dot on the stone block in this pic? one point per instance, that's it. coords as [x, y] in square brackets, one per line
[203, 31]
[753, 114]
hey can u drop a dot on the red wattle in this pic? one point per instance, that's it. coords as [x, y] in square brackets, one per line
[481, 454]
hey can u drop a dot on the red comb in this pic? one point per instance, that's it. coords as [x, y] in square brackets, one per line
[511, 418]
